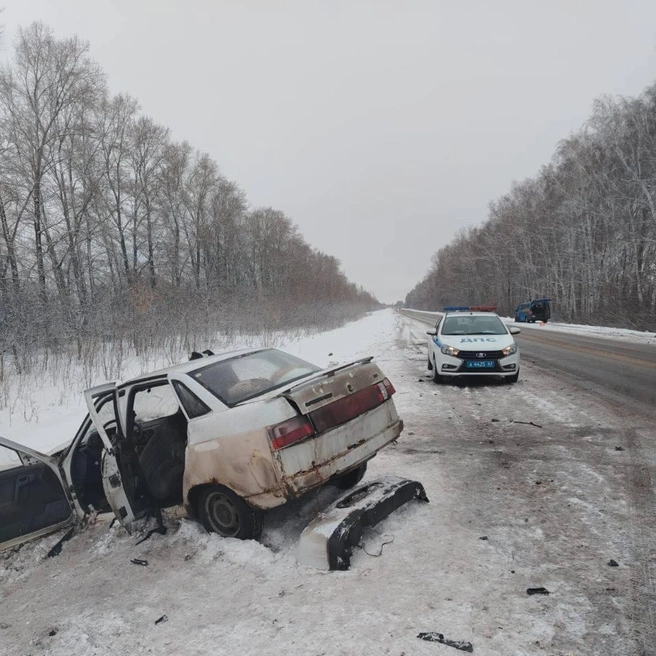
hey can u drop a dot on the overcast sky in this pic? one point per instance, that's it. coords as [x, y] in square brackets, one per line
[380, 128]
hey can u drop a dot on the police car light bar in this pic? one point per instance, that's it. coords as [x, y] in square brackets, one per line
[469, 308]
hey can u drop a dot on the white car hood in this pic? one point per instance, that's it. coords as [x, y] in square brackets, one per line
[477, 342]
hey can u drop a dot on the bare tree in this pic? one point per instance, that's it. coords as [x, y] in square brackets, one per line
[114, 237]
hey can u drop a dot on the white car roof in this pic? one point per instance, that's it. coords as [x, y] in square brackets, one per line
[471, 314]
[192, 365]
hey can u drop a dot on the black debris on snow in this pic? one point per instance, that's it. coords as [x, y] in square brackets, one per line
[432, 636]
[139, 561]
[56, 550]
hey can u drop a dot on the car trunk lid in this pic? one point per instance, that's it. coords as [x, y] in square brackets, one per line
[331, 385]
[340, 410]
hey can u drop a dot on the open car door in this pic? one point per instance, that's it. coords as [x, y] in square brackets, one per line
[34, 498]
[112, 477]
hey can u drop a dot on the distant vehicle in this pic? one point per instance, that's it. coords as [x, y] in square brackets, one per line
[228, 435]
[536, 310]
[472, 343]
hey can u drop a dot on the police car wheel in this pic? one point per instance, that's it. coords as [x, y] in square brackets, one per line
[514, 378]
[430, 364]
[436, 376]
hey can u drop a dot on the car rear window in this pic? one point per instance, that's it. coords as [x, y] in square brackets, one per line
[473, 325]
[245, 377]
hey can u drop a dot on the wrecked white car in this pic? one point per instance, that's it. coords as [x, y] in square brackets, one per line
[226, 435]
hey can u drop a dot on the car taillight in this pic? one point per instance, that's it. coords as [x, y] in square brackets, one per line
[386, 389]
[290, 431]
[349, 407]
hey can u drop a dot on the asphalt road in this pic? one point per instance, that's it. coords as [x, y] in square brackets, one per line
[622, 367]
[600, 364]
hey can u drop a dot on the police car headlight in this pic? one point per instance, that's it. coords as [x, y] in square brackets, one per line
[509, 350]
[450, 350]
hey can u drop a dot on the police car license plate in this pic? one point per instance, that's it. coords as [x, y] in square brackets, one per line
[480, 364]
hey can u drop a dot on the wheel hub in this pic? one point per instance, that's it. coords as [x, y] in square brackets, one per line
[223, 515]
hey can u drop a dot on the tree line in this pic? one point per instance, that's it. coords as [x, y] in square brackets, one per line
[583, 231]
[111, 230]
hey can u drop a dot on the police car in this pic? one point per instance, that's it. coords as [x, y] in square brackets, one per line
[472, 341]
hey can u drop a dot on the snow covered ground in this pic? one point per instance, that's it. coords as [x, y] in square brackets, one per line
[527, 489]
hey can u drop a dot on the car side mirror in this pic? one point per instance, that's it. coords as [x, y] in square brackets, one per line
[432, 333]
[514, 330]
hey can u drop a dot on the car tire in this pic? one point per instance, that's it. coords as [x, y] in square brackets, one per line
[430, 364]
[350, 479]
[436, 375]
[226, 513]
[514, 378]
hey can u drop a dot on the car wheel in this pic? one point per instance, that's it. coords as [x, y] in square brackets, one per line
[348, 480]
[436, 375]
[514, 378]
[224, 512]
[430, 364]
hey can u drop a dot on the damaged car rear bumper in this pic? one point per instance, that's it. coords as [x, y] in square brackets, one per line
[327, 543]
[357, 452]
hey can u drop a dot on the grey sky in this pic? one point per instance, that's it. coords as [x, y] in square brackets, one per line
[380, 128]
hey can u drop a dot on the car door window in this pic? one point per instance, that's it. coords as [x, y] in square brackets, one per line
[9, 458]
[31, 497]
[193, 406]
[159, 442]
[107, 417]
[86, 457]
[154, 402]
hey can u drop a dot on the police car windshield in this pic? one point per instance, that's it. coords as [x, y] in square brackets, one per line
[473, 325]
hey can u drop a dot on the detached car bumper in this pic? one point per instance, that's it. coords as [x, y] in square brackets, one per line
[328, 542]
